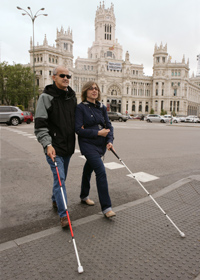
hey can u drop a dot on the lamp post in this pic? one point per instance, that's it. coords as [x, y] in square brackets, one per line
[33, 17]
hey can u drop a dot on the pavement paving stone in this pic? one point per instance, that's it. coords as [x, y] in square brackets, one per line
[140, 244]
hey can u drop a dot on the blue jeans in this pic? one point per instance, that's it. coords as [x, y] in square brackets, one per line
[62, 164]
[94, 163]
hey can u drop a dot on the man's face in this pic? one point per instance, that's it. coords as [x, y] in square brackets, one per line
[61, 83]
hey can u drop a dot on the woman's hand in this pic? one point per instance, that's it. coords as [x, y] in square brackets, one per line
[103, 132]
[110, 146]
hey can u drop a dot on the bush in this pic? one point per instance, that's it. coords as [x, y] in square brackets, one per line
[21, 107]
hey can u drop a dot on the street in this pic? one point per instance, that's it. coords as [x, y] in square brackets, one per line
[162, 154]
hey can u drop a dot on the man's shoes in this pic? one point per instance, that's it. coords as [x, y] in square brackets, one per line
[54, 204]
[88, 202]
[64, 222]
[110, 214]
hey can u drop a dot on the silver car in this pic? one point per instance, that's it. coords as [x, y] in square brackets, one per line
[154, 118]
[11, 115]
[113, 116]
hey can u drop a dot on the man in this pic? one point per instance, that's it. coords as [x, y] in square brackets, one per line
[54, 129]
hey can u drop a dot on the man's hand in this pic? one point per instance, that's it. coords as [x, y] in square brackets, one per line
[103, 132]
[51, 152]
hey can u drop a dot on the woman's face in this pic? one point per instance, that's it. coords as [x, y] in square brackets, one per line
[92, 93]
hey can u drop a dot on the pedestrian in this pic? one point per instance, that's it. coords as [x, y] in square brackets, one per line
[55, 130]
[95, 134]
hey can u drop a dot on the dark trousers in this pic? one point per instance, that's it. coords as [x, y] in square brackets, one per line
[94, 163]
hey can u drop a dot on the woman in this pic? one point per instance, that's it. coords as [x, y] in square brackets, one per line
[95, 134]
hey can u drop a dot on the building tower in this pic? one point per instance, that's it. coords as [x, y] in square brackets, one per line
[105, 44]
[64, 44]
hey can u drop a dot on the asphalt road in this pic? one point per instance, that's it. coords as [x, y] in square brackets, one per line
[169, 152]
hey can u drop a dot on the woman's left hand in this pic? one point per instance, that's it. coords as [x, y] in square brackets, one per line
[109, 146]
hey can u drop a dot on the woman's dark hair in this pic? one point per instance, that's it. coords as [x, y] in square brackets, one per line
[85, 89]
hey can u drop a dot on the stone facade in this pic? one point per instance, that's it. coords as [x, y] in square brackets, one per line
[124, 87]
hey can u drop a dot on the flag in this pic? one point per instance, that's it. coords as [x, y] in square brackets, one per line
[111, 48]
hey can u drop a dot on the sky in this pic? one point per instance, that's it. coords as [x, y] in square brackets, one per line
[139, 26]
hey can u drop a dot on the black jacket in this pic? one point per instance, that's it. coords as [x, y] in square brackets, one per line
[55, 119]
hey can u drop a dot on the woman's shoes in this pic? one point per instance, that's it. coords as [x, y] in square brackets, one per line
[88, 202]
[110, 214]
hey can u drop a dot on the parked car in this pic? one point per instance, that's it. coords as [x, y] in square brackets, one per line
[117, 116]
[156, 118]
[28, 117]
[192, 118]
[173, 118]
[165, 118]
[182, 118]
[137, 117]
[11, 115]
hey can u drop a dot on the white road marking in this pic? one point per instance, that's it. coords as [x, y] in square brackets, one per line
[143, 177]
[113, 165]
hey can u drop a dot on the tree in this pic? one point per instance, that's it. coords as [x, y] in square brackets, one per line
[163, 112]
[152, 111]
[16, 84]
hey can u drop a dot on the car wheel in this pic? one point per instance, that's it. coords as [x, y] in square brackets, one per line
[175, 121]
[120, 119]
[14, 121]
[125, 120]
[28, 121]
[162, 121]
[148, 120]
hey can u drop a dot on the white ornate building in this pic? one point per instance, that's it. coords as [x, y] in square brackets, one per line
[123, 85]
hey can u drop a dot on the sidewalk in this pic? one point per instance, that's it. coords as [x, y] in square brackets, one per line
[139, 243]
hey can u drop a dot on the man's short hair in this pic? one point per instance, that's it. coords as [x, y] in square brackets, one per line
[55, 70]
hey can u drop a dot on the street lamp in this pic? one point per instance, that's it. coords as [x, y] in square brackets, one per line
[33, 17]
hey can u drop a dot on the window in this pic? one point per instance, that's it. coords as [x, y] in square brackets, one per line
[172, 73]
[175, 92]
[127, 90]
[162, 92]
[156, 92]
[162, 104]
[170, 106]
[157, 59]
[126, 105]
[163, 59]
[147, 107]
[133, 72]
[133, 106]
[38, 82]
[49, 73]
[177, 106]
[140, 107]
[40, 72]
[108, 29]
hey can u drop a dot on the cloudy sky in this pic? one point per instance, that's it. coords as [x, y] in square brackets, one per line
[139, 26]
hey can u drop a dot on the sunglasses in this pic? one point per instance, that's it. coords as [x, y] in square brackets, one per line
[93, 88]
[63, 76]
